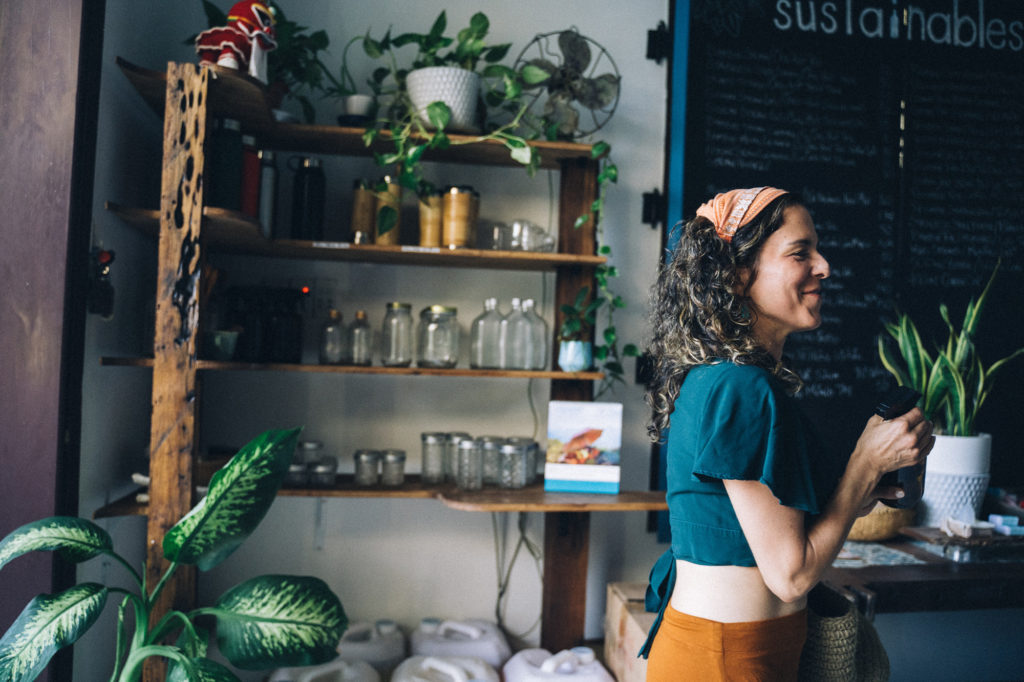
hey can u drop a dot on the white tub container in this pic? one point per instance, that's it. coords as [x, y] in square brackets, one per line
[335, 671]
[444, 669]
[473, 638]
[539, 665]
[382, 644]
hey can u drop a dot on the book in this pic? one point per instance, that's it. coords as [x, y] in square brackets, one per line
[584, 444]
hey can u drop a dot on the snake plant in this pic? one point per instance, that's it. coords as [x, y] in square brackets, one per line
[953, 383]
[268, 621]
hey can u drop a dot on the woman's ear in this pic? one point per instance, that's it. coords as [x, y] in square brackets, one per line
[743, 283]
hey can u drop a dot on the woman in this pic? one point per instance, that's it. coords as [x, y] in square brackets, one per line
[758, 511]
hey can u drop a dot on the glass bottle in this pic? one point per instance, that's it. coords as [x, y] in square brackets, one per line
[515, 338]
[538, 336]
[396, 335]
[438, 337]
[359, 340]
[332, 339]
[485, 337]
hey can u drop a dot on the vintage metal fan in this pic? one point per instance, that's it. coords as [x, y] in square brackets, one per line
[579, 77]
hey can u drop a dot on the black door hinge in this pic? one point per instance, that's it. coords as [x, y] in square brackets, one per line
[654, 208]
[659, 43]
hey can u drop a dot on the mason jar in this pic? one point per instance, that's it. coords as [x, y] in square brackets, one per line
[469, 474]
[367, 467]
[514, 465]
[432, 454]
[396, 335]
[490, 449]
[438, 337]
[392, 471]
[533, 456]
[451, 453]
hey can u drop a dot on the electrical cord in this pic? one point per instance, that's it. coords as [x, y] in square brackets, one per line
[504, 569]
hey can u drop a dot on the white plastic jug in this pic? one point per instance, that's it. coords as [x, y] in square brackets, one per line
[444, 669]
[381, 644]
[538, 665]
[473, 638]
[335, 671]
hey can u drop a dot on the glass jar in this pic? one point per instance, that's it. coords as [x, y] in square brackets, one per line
[430, 218]
[363, 225]
[438, 337]
[396, 335]
[308, 452]
[459, 208]
[367, 467]
[469, 474]
[514, 465]
[332, 339]
[359, 340]
[451, 453]
[515, 339]
[323, 473]
[432, 455]
[389, 210]
[532, 449]
[490, 449]
[297, 476]
[392, 472]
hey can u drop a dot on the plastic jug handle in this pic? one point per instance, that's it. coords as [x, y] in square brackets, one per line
[466, 629]
[455, 672]
[313, 674]
[564, 661]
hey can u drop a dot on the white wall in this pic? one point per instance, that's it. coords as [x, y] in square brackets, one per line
[402, 559]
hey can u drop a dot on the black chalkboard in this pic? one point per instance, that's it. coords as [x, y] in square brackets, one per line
[902, 127]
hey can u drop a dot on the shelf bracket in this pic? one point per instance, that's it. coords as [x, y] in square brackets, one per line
[659, 43]
[654, 209]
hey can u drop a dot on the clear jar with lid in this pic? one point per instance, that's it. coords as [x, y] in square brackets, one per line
[308, 452]
[297, 476]
[323, 472]
[396, 335]
[490, 449]
[363, 227]
[392, 471]
[367, 467]
[451, 453]
[438, 337]
[469, 474]
[532, 455]
[432, 454]
[514, 465]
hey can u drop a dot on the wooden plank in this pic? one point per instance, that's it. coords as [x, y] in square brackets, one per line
[172, 430]
[536, 499]
[566, 545]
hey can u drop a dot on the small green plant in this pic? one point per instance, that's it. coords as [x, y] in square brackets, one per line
[268, 621]
[953, 383]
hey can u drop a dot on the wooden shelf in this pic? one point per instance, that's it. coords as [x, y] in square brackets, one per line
[241, 97]
[233, 232]
[224, 365]
[533, 498]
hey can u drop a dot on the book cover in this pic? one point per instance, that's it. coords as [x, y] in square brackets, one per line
[584, 443]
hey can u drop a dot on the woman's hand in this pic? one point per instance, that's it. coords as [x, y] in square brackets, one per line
[888, 445]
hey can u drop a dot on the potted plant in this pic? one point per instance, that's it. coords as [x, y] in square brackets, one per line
[265, 622]
[576, 351]
[954, 384]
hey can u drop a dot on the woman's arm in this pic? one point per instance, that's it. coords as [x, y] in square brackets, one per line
[791, 558]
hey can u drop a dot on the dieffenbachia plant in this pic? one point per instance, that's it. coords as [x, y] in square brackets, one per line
[266, 622]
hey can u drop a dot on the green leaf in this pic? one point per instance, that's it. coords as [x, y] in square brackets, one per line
[599, 149]
[387, 219]
[47, 624]
[73, 539]
[239, 497]
[523, 155]
[609, 173]
[439, 115]
[630, 350]
[581, 221]
[205, 671]
[533, 74]
[279, 620]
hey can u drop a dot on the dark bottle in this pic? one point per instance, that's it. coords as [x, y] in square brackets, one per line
[224, 165]
[308, 201]
[910, 478]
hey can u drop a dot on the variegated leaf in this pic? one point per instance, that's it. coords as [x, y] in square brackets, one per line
[240, 495]
[72, 538]
[204, 670]
[279, 620]
[47, 624]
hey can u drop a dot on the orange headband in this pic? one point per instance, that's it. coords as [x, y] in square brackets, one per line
[732, 210]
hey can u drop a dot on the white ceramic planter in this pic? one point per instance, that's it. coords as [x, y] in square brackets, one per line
[956, 477]
[456, 87]
[575, 356]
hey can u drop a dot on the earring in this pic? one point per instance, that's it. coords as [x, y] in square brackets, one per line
[744, 312]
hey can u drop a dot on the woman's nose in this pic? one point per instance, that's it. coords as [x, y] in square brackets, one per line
[821, 268]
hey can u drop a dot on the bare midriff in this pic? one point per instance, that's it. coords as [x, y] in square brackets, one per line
[727, 594]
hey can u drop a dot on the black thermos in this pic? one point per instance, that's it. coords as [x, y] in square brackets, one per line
[308, 201]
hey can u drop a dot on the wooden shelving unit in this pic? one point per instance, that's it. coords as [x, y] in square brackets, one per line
[187, 97]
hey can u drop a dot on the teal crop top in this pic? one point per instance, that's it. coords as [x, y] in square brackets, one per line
[732, 422]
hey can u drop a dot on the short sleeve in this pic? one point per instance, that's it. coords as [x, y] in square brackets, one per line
[751, 431]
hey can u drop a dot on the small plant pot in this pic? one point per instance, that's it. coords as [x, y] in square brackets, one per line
[458, 88]
[575, 356]
[957, 477]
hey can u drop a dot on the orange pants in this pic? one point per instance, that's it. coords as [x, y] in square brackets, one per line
[690, 648]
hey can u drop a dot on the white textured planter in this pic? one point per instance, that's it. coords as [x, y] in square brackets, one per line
[575, 356]
[456, 87]
[956, 476]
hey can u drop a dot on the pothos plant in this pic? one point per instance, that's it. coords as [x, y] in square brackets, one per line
[410, 137]
[265, 622]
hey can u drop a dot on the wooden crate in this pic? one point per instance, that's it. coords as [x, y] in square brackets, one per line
[625, 628]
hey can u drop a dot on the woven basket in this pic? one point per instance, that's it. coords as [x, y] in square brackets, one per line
[882, 523]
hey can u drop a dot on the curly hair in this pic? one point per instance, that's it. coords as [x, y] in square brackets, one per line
[699, 311]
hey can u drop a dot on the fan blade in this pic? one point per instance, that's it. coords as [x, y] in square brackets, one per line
[576, 51]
